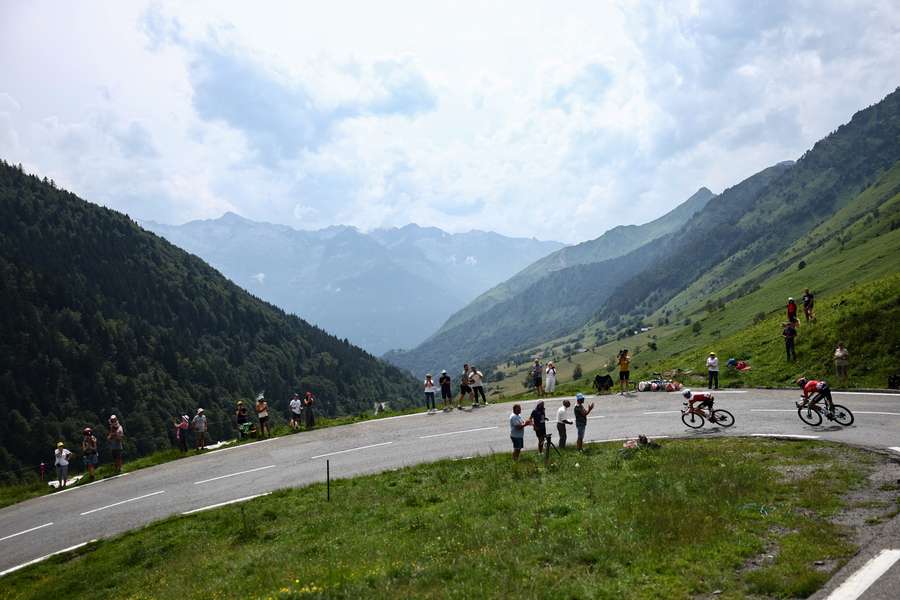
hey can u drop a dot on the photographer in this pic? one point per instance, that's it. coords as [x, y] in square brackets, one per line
[539, 422]
[563, 419]
[581, 415]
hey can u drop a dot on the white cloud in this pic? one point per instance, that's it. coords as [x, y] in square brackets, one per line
[529, 120]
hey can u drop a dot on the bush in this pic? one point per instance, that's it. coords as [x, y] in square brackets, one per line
[801, 265]
[759, 317]
[577, 373]
[696, 328]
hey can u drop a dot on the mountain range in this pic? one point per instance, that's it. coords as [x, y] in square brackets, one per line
[388, 288]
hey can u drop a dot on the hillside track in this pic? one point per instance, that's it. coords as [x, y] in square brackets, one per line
[47, 524]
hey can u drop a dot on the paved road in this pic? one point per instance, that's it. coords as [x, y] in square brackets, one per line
[44, 525]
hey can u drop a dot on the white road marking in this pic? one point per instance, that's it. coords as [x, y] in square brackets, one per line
[350, 450]
[773, 410]
[786, 435]
[220, 450]
[93, 510]
[859, 582]
[234, 474]
[868, 394]
[662, 412]
[434, 435]
[84, 485]
[45, 557]
[366, 422]
[865, 412]
[226, 503]
[894, 448]
[26, 531]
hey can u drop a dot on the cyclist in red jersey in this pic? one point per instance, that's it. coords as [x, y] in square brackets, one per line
[814, 391]
[705, 400]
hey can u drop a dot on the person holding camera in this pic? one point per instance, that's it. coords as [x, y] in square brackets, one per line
[581, 415]
[624, 360]
[517, 425]
[563, 419]
[539, 422]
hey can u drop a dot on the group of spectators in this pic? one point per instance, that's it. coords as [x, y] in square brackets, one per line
[538, 420]
[789, 329]
[543, 378]
[471, 386]
[90, 453]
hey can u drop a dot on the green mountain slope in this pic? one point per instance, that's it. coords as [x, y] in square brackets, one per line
[100, 316]
[615, 242]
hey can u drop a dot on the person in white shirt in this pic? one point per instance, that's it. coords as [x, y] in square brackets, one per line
[429, 393]
[712, 365]
[61, 460]
[550, 378]
[296, 405]
[563, 418]
[475, 381]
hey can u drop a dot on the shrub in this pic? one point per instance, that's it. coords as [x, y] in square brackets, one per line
[696, 328]
[801, 265]
[577, 373]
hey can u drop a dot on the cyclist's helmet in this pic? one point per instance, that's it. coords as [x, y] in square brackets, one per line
[802, 381]
[686, 393]
[579, 397]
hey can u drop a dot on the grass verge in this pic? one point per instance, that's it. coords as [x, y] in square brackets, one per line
[741, 516]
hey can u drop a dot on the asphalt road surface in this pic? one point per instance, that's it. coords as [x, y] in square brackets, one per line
[41, 526]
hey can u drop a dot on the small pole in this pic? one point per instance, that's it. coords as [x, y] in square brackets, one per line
[328, 479]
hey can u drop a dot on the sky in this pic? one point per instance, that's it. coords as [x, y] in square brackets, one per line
[536, 119]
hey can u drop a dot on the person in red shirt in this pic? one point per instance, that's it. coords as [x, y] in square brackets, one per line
[705, 400]
[792, 311]
[814, 391]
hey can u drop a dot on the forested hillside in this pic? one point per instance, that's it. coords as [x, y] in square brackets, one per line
[100, 316]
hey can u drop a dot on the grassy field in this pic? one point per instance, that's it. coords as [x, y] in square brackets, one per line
[738, 515]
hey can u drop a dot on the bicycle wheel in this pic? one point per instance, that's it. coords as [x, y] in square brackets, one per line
[842, 415]
[692, 420]
[722, 417]
[810, 415]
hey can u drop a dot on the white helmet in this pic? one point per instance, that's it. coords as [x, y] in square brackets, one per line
[686, 393]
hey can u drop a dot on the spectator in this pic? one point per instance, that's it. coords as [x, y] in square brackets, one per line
[296, 405]
[476, 381]
[181, 427]
[537, 376]
[61, 460]
[539, 422]
[464, 388]
[200, 425]
[243, 417]
[581, 415]
[563, 419]
[792, 311]
[429, 393]
[89, 451]
[550, 381]
[624, 360]
[841, 362]
[712, 365]
[790, 333]
[262, 413]
[808, 300]
[446, 391]
[308, 412]
[116, 442]
[517, 427]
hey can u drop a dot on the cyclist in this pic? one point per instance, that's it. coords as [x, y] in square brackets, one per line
[814, 391]
[705, 400]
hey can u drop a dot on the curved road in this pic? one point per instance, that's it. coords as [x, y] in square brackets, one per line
[41, 526]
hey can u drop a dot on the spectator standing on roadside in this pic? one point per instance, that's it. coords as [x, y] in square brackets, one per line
[517, 425]
[624, 360]
[550, 380]
[808, 300]
[537, 376]
[296, 405]
[446, 392]
[841, 362]
[115, 441]
[308, 412]
[181, 426]
[89, 451]
[243, 417]
[792, 311]
[476, 380]
[262, 413]
[61, 460]
[539, 422]
[581, 415]
[712, 365]
[200, 425]
[429, 393]
[562, 419]
[790, 333]
[464, 388]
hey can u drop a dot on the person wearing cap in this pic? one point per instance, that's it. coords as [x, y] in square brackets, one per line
[476, 382]
[296, 405]
[550, 378]
[581, 415]
[242, 415]
[262, 413]
[792, 311]
[115, 440]
[89, 451]
[445, 382]
[429, 393]
[200, 425]
[712, 366]
[61, 460]
[181, 424]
